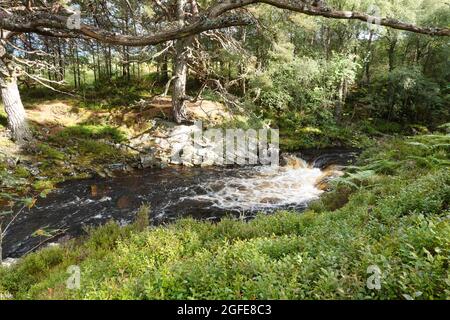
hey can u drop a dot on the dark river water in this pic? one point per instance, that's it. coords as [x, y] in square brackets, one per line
[174, 192]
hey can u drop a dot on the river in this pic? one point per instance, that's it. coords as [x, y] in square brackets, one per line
[174, 192]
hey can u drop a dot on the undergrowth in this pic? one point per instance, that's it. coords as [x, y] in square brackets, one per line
[390, 211]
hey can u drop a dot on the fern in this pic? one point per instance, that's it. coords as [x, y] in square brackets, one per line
[355, 180]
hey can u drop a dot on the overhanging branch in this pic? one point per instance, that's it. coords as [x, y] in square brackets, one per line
[46, 23]
[222, 14]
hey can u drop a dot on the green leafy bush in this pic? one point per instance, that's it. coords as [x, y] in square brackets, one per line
[409, 96]
[302, 91]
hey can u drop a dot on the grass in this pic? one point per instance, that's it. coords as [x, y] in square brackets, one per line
[116, 93]
[79, 149]
[89, 145]
[49, 152]
[394, 216]
[96, 96]
[332, 136]
[91, 132]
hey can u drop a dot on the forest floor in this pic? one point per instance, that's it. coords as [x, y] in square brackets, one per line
[49, 117]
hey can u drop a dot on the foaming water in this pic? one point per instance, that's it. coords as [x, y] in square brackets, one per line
[269, 188]
[172, 193]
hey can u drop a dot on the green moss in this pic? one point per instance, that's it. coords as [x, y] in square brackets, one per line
[22, 172]
[99, 149]
[50, 152]
[87, 146]
[90, 132]
[43, 184]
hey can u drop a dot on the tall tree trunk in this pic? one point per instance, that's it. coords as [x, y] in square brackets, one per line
[78, 65]
[16, 116]
[110, 72]
[125, 63]
[94, 68]
[340, 102]
[180, 70]
[99, 67]
[391, 54]
[367, 75]
[391, 86]
[61, 61]
[179, 82]
[75, 80]
[17, 121]
[164, 75]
